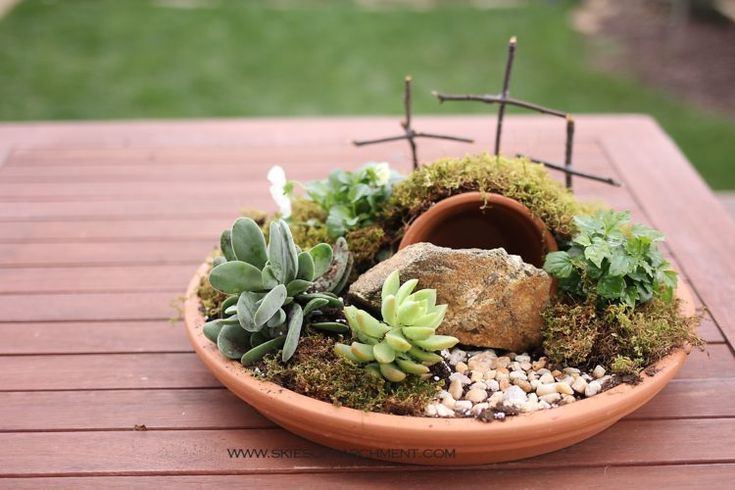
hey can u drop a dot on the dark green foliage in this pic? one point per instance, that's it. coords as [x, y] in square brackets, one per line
[613, 260]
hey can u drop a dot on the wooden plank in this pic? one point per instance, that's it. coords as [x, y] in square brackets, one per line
[95, 279]
[648, 160]
[184, 370]
[217, 408]
[32, 338]
[123, 229]
[109, 371]
[89, 306]
[90, 254]
[197, 451]
[610, 477]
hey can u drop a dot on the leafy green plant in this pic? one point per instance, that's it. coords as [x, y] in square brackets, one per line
[353, 199]
[613, 260]
[271, 289]
[404, 344]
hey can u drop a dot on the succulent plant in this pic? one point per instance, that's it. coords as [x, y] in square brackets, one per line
[272, 288]
[403, 343]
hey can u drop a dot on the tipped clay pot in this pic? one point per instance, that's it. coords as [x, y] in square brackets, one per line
[486, 221]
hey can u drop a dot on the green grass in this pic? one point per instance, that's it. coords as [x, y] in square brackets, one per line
[109, 59]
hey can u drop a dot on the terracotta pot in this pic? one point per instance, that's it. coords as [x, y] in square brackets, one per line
[473, 442]
[483, 220]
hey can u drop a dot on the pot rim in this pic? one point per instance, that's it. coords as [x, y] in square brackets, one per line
[609, 405]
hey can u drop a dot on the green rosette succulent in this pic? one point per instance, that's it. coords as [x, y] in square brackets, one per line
[272, 288]
[405, 341]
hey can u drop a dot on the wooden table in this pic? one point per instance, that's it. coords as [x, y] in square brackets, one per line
[102, 225]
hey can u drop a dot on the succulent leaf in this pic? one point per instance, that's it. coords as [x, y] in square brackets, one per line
[363, 352]
[314, 305]
[437, 342]
[389, 310]
[225, 244]
[418, 333]
[370, 325]
[426, 358]
[306, 267]
[218, 260]
[405, 289]
[391, 372]
[256, 353]
[345, 351]
[390, 285]
[235, 277]
[270, 304]
[397, 341]
[409, 310]
[411, 367]
[331, 327]
[233, 341]
[297, 286]
[295, 321]
[246, 308]
[228, 302]
[211, 329]
[248, 243]
[277, 320]
[322, 256]
[384, 353]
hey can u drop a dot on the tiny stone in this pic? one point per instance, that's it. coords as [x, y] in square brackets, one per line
[430, 410]
[587, 377]
[542, 371]
[459, 377]
[551, 398]
[532, 397]
[523, 384]
[492, 385]
[547, 378]
[556, 373]
[455, 389]
[503, 362]
[457, 355]
[592, 388]
[490, 374]
[532, 376]
[523, 358]
[564, 389]
[463, 406]
[449, 402]
[540, 364]
[477, 375]
[482, 362]
[443, 411]
[535, 383]
[477, 409]
[478, 386]
[571, 370]
[529, 407]
[514, 366]
[579, 385]
[461, 367]
[476, 396]
[515, 394]
[517, 375]
[504, 384]
[567, 399]
[502, 376]
[496, 398]
[512, 355]
[598, 372]
[526, 366]
[544, 405]
[499, 415]
[568, 379]
[543, 389]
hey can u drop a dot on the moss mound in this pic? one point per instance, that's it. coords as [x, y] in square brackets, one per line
[211, 298]
[619, 338]
[315, 371]
[518, 179]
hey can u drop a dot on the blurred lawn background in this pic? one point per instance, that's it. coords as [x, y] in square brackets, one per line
[115, 59]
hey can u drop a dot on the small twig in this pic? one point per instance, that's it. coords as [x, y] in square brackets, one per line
[504, 93]
[409, 133]
[497, 99]
[563, 168]
[568, 150]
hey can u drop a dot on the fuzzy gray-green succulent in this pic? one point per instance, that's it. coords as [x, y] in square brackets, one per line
[272, 289]
[404, 342]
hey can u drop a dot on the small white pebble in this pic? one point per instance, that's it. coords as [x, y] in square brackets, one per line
[496, 398]
[571, 370]
[449, 402]
[526, 366]
[532, 397]
[515, 395]
[598, 372]
[478, 386]
[546, 378]
[461, 367]
[564, 389]
[567, 399]
[551, 398]
[477, 409]
[545, 389]
[455, 389]
[459, 377]
[477, 375]
[593, 388]
[523, 358]
[535, 383]
[443, 411]
[430, 410]
[544, 405]
[489, 374]
[514, 375]
[492, 385]
[523, 384]
[579, 385]
[463, 406]
[476, 396]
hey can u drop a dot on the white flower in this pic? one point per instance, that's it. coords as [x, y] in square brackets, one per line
[277, 178]
[382, 171]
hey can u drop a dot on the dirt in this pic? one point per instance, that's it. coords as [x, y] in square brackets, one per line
[685, 53]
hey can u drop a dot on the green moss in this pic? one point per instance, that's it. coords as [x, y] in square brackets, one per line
[365, 244]
[211, 299]
[316, 371]
[518, 179]
[618, 337]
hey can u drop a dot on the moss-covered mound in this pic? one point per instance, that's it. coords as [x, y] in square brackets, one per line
[317, 372]
[618, 337]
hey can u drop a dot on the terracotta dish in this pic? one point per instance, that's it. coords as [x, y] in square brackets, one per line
[474, 442]
[483, 220]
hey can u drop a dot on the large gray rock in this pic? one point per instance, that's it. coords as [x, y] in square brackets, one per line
[495, 299]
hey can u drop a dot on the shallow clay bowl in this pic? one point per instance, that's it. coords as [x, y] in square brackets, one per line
[474, 442]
